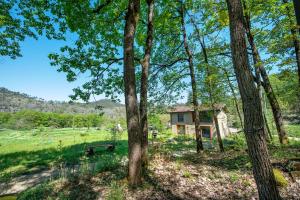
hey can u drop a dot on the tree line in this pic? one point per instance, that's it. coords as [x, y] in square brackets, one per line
[156, 49]
[29, 119]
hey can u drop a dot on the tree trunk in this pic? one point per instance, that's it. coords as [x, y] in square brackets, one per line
[218, 131]
[234, 97]
[202, 44]
[193, 81]
[132, 113]
[267, 126]
[253, 118]
[260, 70]
[144, 83]
[297, 12]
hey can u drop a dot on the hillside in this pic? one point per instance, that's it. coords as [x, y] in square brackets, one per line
[11, 101]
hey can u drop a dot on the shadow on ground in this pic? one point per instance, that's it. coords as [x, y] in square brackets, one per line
[27, 162]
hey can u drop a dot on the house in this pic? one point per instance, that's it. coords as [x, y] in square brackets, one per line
[183, 120]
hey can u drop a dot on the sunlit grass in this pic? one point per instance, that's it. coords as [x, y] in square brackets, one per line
[27, 151]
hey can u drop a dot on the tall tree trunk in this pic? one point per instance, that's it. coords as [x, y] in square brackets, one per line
[296, 41]
[297, 12]
[260, 70]
[234, 97]
[144, 83]
[215, 118]
[132, 112]
[193, 81]
[253, 119]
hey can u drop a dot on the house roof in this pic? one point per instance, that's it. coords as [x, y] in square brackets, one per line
[178, 109]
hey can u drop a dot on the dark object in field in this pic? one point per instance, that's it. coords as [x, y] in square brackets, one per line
[154, 133]
[91, 150]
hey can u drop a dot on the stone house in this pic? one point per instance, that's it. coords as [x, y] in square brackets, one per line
[183, 120]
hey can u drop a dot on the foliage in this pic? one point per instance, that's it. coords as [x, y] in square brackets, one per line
[28, 119]
[28, 18]
[155, 122]
[42, 191]
[116, 192]
[285, 85]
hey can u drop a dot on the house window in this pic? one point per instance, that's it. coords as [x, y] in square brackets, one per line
[206, 116]
[180, 117]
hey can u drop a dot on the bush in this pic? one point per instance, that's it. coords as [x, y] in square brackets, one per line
[116, 192]
[155, 122]
[36, 193]
[279, 178]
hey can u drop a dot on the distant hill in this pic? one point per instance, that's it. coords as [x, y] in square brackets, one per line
[11, 101]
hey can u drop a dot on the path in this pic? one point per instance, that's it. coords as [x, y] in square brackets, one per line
[21, 183]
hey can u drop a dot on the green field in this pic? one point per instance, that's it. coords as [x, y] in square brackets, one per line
[27, 151]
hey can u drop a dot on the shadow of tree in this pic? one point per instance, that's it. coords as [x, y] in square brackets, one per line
[70, 155]
[184, 149]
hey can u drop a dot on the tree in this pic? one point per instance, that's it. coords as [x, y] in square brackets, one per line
[144, 82]
[295, 35]
[209, 78]
[31, 20]
[132, 114]
[297, 12]
[261, 73]
[253, 119]
[193, 79]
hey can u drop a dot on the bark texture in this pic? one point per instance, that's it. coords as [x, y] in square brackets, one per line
[144, 83]
[261, 72]
[193, 81]
[132, 112]
[253, 118]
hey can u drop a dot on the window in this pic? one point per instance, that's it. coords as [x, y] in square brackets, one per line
[206, 116]
[180, 117]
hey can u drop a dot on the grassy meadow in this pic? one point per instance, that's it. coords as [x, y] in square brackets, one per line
[25, 151]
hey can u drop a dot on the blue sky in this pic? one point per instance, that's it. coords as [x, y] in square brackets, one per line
[32, 73]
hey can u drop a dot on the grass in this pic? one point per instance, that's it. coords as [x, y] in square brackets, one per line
[293, 130]
[27, 151]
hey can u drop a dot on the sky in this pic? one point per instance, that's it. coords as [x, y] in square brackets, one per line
[32, 73]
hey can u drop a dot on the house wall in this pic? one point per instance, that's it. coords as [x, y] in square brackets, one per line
[190, 125]
[188, 118]
[222, 121]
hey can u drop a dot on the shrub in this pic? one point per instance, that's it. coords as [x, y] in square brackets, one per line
[279, 178]
[36, 193]
[116, 192]
[186, 174]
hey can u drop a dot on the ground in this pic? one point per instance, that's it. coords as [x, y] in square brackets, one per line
[175, 170]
